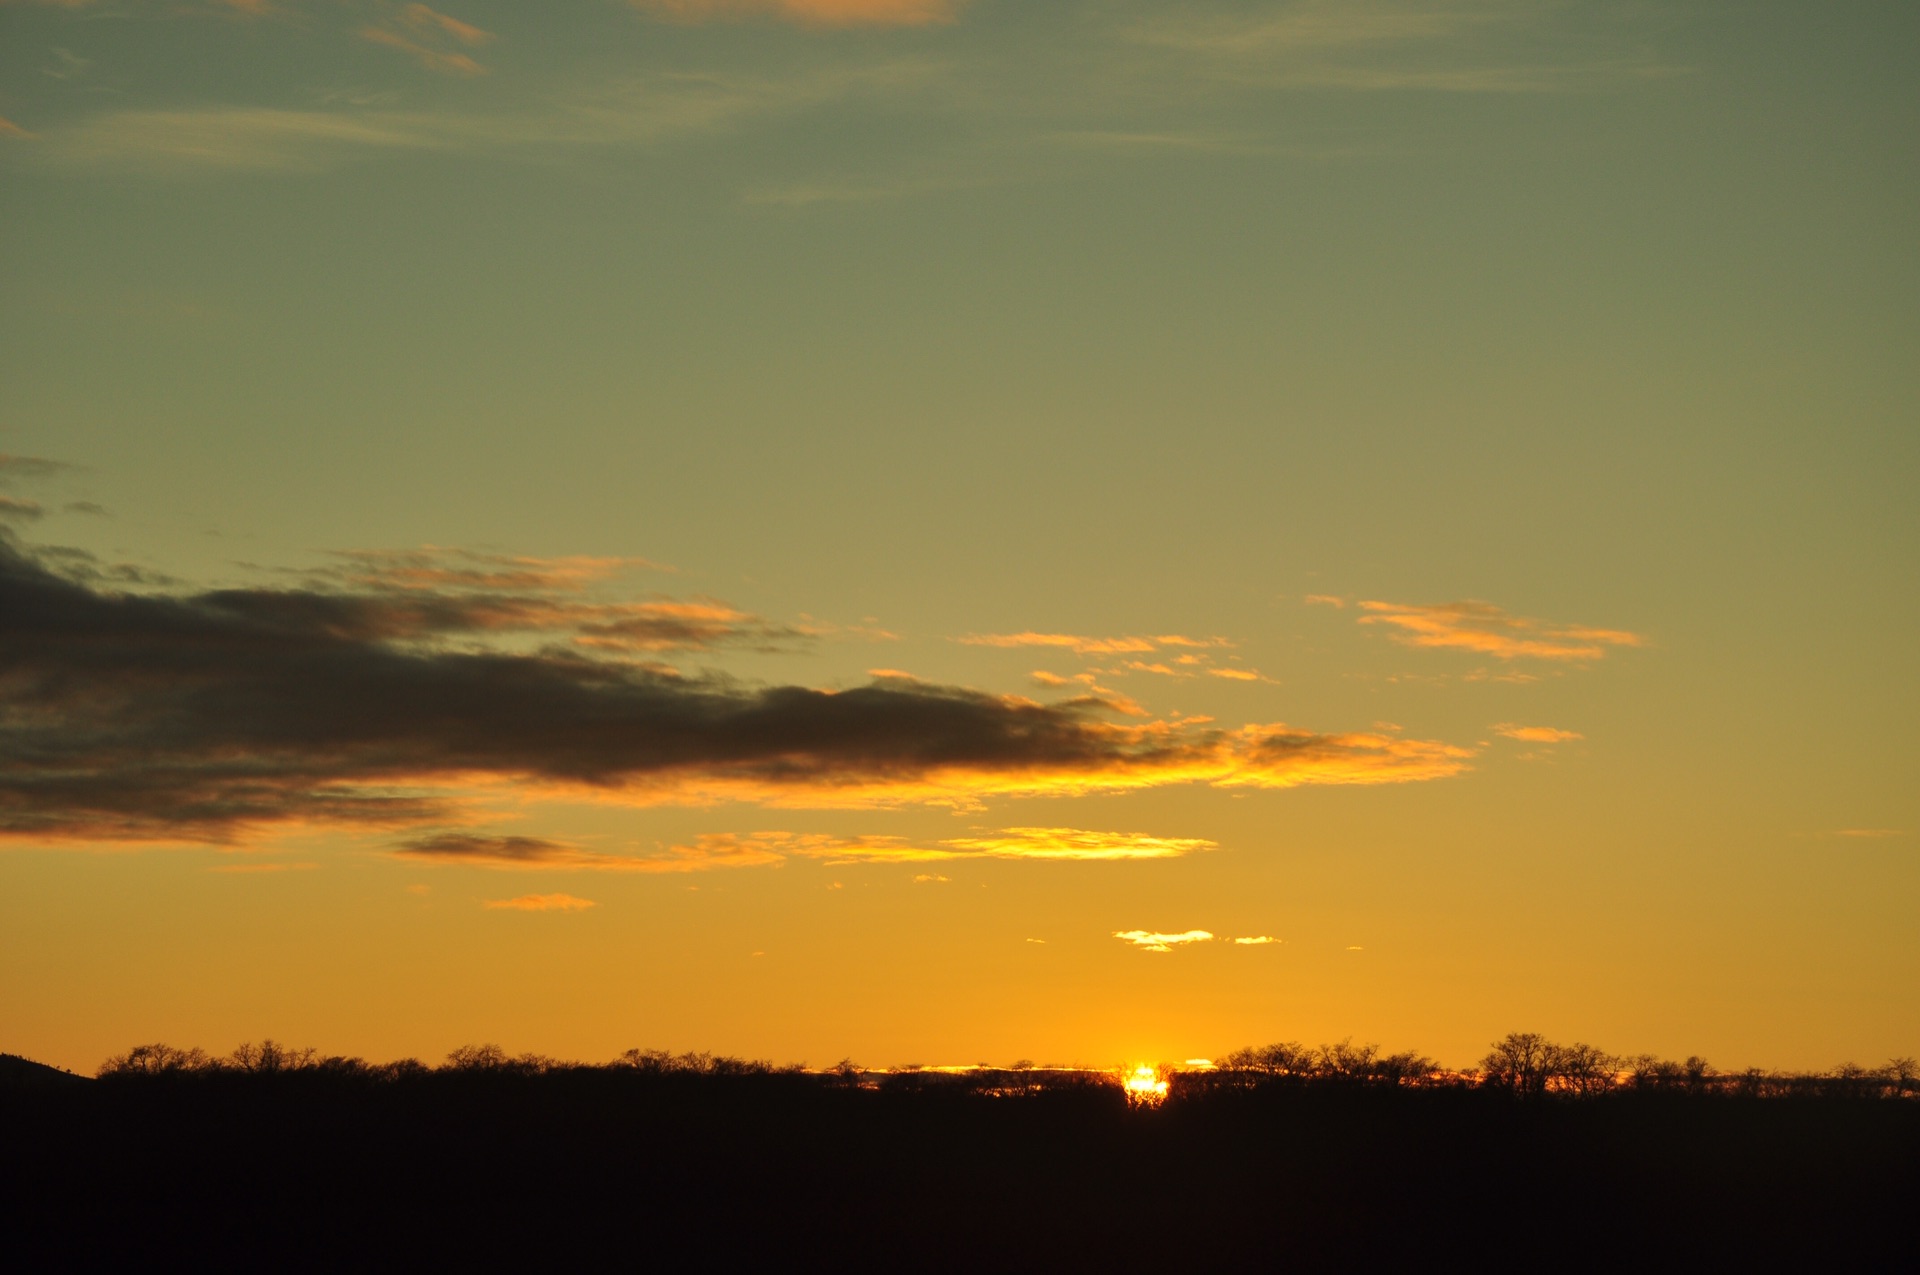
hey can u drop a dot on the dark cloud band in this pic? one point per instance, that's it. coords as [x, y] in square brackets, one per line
[195, 716]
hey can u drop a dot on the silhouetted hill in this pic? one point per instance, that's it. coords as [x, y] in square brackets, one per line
[15, 1070]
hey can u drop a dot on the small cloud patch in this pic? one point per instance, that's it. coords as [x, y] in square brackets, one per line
[1155, 941]
[1536, 734]
[541, 903]
[1485, 629]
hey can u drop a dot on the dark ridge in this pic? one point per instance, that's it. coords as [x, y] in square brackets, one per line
[24, 1072]
[283, 1159]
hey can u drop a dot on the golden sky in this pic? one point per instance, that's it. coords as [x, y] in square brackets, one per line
[949, 532]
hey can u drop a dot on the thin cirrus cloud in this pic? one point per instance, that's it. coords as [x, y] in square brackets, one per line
[183, 716]
[1485, 629]
[1536, 734]
[1356, 48]
[541, 903]
[1315, 25]
[431, 38]
[1476, 46]
[724, 850]
[1191, 661]
[832, 13]
[1081, 645]
[642, 110]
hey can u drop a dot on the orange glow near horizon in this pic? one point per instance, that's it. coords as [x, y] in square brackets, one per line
[1145, 1086]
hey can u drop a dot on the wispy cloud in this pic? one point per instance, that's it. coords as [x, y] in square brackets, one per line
[723, 850]
[427, 594]
[1238, 674]
[418, 17]
[1536, 734]
[1075, 844]
[639, 111]
[1256, 940]
[20, 468]
[1466, 46]
[541, 903]
[1871, 834]
[830, 13]
[1313, 25]
[1076, 643]
[1155, 941]
[501, 852]
[428, 37]
[1485, 629]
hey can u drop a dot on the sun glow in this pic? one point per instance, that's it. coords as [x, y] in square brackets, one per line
[1145, 1087]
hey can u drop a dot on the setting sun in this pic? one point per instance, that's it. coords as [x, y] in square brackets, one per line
[1145, 1086]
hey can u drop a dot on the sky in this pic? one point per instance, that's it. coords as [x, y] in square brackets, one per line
[933, 532]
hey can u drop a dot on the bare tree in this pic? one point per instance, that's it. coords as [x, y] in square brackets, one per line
[1520, 1062]
[1580, 1069]
[267, 1057]
[479, 1058]
[155, 1060]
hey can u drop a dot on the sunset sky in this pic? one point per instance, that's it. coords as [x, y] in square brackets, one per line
[938, 532]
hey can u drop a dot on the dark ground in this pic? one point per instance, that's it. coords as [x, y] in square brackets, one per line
[306, 1171]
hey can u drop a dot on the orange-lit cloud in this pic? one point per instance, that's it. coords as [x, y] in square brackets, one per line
[1069, 844]
[1326, 600]
[1075, 844]
[1072, 642]
[1152, 941]
[541, 903]
[1256, 940]
[813, 12]
[722, 850]
[1536, 734]
[1487, 630]
[10, 129]
[1867, 833]
[180, 716]
[1238, 674]
[1081, 645]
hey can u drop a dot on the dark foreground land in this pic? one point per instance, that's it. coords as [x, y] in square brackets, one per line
[492, 1169]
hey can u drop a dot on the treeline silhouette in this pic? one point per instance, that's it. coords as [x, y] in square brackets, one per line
[1522, 1064]
[1281, 1155]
